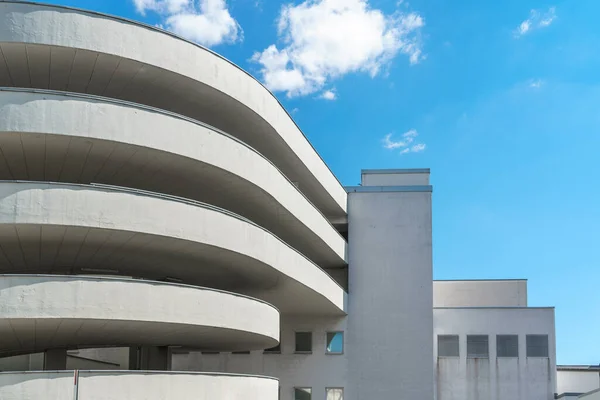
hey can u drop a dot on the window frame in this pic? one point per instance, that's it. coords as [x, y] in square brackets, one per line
[334, 388]
[457, 345]
[302, 388]
[296, 351]
[478, 356]
[547, 345]
[334, 353]
[498, 347]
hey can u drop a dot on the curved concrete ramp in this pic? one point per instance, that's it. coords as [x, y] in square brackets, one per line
[65, 137]
[124, 385]
[61, 48]
[44, 312]
[65, 229]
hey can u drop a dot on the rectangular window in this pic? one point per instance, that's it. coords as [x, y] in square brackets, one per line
[303, 342]
[335, 394]
[274, 350]
[240, 352]
[335, 343]
[448, 346]
[477, 346]
[507, 345]
[302, 393]
[537, 345]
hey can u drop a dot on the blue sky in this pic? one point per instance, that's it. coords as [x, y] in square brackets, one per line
[500, 99]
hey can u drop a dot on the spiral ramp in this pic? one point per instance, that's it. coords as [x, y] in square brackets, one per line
[152, 195]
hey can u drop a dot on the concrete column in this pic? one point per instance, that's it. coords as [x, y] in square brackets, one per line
[149, 358]
[390, 306]
[55, 360]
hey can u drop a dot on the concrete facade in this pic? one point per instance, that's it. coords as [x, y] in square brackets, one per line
[168, 232]
[493, 377]
[577, 379]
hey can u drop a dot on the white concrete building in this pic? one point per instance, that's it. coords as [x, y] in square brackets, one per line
[578, 382]
[167, 232]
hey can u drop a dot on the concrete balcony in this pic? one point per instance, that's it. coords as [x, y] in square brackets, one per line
[119, 385]
[46, 312]
[60, 48]
[61, 137]
[66, 229]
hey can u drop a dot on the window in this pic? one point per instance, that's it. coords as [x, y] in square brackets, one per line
[240, 352]
[335, 343]
[302, 393]
[334, 394]
[507, 346]
[537, 345]
[303, 342]
[274, 350]
[448, 346]
[477, 346]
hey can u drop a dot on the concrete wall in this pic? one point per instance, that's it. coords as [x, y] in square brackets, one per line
[594, 395]
[395, 177]
[317, 370]
[497, 293]
[522, 378]
[577, 380]
[390, 307]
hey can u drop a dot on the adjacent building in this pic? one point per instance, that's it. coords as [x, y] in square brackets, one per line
[167, 232]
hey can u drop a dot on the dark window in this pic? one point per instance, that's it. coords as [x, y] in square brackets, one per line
[477, 346]
[303, 342]
[537, 345]
[448, 346]
[302, 393]
[507, 346]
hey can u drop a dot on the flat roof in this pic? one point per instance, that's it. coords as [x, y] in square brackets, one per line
[396, 171]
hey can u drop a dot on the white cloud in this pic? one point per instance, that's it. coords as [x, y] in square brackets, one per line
[536, 84]
[207, 22]
[325, 39]
[406, 143]
[329, 95]
[537, 19]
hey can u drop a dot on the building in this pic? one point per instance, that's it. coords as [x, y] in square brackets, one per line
[489, 344]
[167, 232]
[578, 382]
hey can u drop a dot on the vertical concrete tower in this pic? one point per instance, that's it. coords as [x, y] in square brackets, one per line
[390, 286]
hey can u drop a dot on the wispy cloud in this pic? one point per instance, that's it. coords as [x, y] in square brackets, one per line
[326, 39]
[537, 19]
[207, 22]
[328, 95]
[406, 143]
[536, 83]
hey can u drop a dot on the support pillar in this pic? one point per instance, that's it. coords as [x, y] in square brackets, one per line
[55, 360]
[149, 358]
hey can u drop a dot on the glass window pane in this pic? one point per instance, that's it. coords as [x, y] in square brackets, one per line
[477, 346]
[448, 346]
[335, 342]
[507, 345]
[335, 394]
[303, 342]
[302, 393]
[537, 345]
